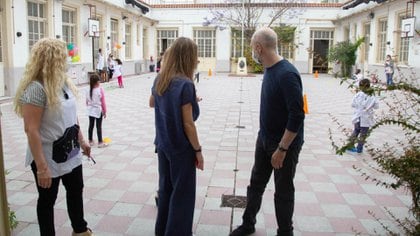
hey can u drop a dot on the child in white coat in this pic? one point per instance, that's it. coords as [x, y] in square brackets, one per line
[363, 116]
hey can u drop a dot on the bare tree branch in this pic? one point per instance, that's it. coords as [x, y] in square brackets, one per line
[250, 12]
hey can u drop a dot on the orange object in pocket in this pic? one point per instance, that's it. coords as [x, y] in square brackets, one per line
[305, 104]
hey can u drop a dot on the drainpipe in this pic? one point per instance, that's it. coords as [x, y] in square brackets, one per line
[4, 208]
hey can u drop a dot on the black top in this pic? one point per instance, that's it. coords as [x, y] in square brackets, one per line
[281, 104]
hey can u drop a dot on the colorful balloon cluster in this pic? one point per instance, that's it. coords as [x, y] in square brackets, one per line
[73, 50]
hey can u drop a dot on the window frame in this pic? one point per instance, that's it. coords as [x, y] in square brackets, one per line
[204, 40]
[128, 40]
[287, 50]
[138, 39]
[114, 36]
[236, 40]
[382, 31]
[72, 25]
[145, 43]
[403, 44]
[366, 44]
[41, 22]
[170, 34]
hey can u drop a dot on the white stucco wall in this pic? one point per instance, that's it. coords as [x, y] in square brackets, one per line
[371, 13]
[188, 19]
[17, 21]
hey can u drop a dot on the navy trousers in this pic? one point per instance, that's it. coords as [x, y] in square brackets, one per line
[284, 196]
[359, 134]
[177, 185]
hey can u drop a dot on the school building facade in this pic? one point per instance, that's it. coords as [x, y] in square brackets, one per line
[137, 31]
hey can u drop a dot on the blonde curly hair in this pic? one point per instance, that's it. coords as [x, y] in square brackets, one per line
[47, 65]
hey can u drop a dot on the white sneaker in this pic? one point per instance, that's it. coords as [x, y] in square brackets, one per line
[102, 145]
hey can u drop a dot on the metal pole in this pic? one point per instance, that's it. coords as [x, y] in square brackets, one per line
[93, 42]
[93, 53]
[242, 34]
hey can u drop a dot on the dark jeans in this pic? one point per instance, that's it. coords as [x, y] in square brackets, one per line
[389, 78]
[98, 128]
[73, 183]
[177, 184]
[197, 77]
[110, 73]
[284, 196]
[361, 140]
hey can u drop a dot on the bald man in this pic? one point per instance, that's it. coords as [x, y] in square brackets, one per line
[280, 137]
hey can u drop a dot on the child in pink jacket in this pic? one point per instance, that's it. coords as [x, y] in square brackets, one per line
[96, 109]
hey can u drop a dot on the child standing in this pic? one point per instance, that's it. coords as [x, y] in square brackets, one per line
[389, 70]
[357, 77]
[111, 65]
[96, 107]
[101, 65]
[118, 72]
[159, 62]
[363, 103]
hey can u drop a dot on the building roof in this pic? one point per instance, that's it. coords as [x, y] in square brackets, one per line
[236, 4]
[355, 3]
[144, 7]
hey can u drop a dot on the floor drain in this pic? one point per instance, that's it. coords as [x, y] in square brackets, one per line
[240, 127]
[233, 201]
[240, 102]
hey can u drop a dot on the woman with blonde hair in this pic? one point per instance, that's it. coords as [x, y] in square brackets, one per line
[179, 151]
[46, 100]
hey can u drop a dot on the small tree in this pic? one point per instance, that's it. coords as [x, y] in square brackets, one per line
[248, 13]
[285, 33]
[345, 54]
[401, 158]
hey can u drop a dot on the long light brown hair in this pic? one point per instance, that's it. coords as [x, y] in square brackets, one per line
[179, 60]
[47, 65]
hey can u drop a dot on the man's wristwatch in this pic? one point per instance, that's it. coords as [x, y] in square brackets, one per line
[282, 149]
[197, 150]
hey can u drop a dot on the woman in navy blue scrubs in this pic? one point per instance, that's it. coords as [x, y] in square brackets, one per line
[179, 152]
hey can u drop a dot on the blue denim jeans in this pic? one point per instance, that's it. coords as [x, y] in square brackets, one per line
[389, 79]
[177, 185]
[284, 196]
[362, 131]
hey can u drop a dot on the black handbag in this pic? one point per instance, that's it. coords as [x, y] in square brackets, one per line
[67, 146]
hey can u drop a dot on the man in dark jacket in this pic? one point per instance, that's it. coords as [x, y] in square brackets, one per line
[280, 137]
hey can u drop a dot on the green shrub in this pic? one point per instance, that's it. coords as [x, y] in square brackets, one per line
[252, 65]
[401, 160]
[13, 223]
[344, 53]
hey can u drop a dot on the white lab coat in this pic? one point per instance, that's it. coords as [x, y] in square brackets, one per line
[363, 105]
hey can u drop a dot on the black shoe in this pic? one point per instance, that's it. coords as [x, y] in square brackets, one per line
[243, 231]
